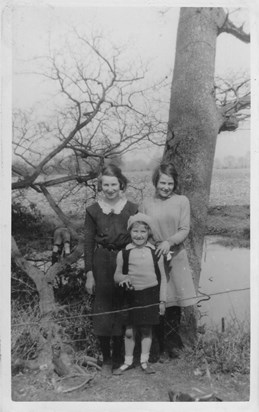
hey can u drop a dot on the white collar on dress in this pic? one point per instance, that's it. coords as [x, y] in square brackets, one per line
[132, 246]
[116, 209]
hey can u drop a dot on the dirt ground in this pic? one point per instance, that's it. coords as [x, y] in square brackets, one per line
[134, 385]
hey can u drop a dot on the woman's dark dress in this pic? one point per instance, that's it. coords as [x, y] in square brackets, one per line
[105, 235]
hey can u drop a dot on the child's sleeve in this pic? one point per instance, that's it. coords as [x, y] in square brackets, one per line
[163, 284]
[119, 276]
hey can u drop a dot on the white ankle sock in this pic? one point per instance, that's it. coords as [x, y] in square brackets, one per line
[127, 362]
[144, 357]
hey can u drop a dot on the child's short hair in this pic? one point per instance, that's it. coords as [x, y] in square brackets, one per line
[143, 219]
[140, 222]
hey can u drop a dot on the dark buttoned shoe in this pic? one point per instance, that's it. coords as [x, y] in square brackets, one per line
[147, 368]
[122, 369]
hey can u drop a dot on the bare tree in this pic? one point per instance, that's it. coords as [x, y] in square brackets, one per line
[105, 112]
[99, 110]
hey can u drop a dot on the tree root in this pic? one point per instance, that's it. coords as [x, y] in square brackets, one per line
[75, 388]
[89, 363]
[89, 358]
[72, 375]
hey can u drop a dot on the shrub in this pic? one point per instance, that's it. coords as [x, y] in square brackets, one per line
[76, 307]
[30, 228]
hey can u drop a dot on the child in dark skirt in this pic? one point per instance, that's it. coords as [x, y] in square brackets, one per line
[142, 274]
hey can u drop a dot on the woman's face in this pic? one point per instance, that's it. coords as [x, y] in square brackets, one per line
[165, 186]
[139, 234]
[111, 187]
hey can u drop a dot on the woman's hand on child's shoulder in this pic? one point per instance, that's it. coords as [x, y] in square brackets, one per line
[163, 248]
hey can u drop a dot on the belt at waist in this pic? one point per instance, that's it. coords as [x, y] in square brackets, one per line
[109, 246]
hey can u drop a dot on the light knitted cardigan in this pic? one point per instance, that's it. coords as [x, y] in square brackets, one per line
[171, 217]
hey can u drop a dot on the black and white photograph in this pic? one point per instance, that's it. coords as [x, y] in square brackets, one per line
[129, 221]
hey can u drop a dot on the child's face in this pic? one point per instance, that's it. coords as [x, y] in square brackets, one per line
[139, 234]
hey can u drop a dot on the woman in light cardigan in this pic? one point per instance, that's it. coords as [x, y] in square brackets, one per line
[171, 214]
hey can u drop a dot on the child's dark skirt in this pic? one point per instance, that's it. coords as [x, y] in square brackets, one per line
[143, 315]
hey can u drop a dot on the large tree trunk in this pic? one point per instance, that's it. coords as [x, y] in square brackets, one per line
[194, 120]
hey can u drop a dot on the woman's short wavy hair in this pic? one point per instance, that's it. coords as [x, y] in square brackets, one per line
[165, 169]
[113, 170]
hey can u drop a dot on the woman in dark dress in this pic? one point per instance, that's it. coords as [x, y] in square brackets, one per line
[105, 234]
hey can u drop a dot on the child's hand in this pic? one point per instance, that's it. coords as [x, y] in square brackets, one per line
[162, 308]
[126, 284]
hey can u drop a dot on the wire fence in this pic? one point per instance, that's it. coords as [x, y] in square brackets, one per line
[203, 297]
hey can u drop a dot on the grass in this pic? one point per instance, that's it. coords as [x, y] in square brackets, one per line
[25, 336]
[225, 352]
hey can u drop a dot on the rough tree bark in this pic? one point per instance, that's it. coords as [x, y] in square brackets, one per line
[194, 119]
[52, 356]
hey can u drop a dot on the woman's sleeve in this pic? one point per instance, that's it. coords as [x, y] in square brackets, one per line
[184, 223]
[163, 284]
[119, 276]
[89, 245]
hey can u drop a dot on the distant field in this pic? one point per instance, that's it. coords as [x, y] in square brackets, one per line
[229, 187]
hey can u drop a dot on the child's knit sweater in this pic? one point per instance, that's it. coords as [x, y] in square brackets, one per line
[141, 269]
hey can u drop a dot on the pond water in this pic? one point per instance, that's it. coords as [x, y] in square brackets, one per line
[224, 272]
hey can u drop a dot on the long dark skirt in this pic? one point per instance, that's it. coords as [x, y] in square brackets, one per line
[104, 265]
[143, 315]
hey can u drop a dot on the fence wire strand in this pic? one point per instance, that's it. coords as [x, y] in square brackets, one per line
[90, 315]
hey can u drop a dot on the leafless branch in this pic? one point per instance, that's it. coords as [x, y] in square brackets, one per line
[104, 115]
[238, 32]
[233, 100]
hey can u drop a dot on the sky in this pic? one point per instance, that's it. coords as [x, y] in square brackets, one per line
[149, 34]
